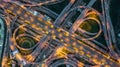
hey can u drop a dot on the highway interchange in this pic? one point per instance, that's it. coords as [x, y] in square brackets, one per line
[56, 45]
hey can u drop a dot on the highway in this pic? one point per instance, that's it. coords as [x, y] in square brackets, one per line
[108, 29]
[44, 31]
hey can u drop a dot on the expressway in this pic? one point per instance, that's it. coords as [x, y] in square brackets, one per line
[51, 31]
[108, 29]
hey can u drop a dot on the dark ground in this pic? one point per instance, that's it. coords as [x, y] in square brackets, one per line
[115, 16]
